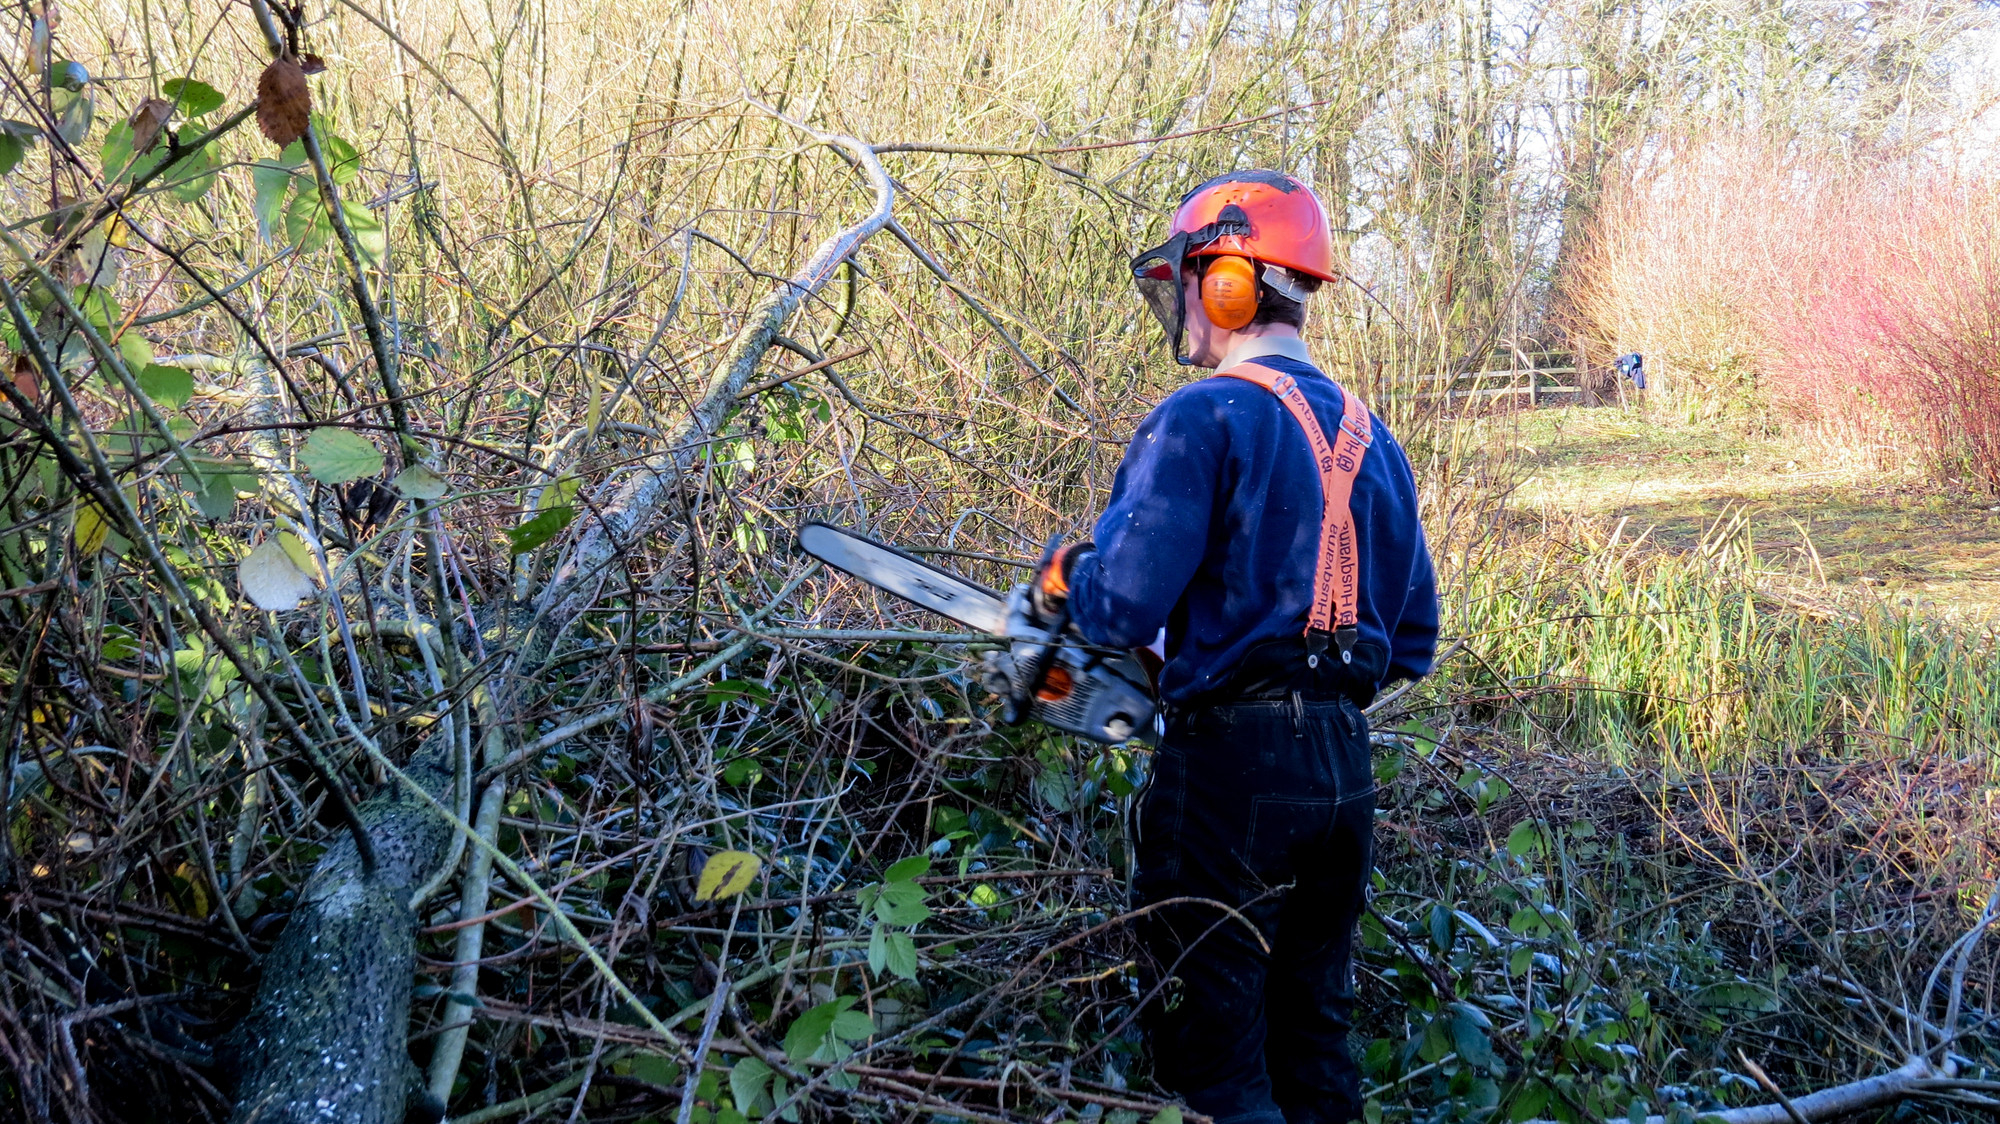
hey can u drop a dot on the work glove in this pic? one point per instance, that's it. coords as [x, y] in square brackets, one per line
[1050, 587]
[1001, 672]
[996, 672]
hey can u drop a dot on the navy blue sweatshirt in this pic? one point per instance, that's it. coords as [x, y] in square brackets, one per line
[1213, 530]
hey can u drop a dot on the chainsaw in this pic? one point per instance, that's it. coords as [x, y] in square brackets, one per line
[1047, 672]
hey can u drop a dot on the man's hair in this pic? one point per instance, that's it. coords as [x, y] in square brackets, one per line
[1274, 307]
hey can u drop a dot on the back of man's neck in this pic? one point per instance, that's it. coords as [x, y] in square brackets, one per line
[1285, 344]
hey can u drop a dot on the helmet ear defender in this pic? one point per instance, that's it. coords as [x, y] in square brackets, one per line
[1229, 291]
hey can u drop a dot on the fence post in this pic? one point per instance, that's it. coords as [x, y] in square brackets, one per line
[1534, 388]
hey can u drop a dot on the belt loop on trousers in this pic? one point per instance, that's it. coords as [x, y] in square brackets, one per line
[1298, 716]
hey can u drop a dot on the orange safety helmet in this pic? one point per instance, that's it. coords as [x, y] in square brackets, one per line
[1248, 221]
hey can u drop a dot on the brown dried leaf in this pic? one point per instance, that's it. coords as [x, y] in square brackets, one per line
[147, 121]
[312, 64]
[26, 381]
[284, 104]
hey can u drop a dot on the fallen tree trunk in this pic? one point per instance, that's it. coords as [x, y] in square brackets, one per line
[1915, 1076]
[325, 1039]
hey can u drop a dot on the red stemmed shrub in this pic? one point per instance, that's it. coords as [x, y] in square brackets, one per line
[1858, 301]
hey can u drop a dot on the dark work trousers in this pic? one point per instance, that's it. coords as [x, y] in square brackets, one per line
[1267, 807]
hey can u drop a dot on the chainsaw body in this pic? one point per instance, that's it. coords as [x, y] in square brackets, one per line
[1047, 673]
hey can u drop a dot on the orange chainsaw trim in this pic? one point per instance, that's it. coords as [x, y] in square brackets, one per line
[1337, 577]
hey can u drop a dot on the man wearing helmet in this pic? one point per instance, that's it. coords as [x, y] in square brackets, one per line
[1268, 523]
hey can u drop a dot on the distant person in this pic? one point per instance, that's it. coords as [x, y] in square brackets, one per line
[1268, 522]
[1633, 366]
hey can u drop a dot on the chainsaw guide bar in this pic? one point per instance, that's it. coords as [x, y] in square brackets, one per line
[886, 568]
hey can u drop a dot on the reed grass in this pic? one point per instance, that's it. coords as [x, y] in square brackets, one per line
[1581, 636]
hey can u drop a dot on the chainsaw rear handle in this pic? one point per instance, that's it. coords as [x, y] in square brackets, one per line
[1020, 701]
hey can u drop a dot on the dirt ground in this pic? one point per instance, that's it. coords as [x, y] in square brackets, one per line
[1811, 516]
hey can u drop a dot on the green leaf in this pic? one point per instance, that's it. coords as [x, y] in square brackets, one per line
[418, 482]
[191, 98]
[192, 175]
[214, 493]
[901, 903]
[1526, 840]
[1740, 995]
[540, 529]
[1529, 922]
[735, 690]
[878, 949]
[74, 112]
[12, 151]
[343, 163]
[809, 1033]
[916, 866]
[271, 181]
[170, 387]
[97, 306]
[852, 1026]
[749, 1084]
[656, 1070]
[902, 955]
[1168, 1115]
[1443, 927]
[136, 350]
[562, 493]
[1529, 1102]
[1469, 1027]
[116, 153]
[306, 221]
[335, 456]
[369, 233]
[1389, 766]
[1436, 1042]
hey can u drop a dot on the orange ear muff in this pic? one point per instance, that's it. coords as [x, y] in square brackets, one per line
[1229, 291]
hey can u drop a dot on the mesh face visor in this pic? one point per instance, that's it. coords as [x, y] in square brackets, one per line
[1157, 273]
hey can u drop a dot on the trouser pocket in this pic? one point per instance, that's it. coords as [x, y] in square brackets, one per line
[1280, 836]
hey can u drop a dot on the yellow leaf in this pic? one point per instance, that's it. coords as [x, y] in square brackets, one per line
[93, 524]
[91, 529]
[190, 879]
[726, 874]
[301, 555]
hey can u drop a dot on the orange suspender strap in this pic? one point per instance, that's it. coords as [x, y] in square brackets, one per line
[1337, 577]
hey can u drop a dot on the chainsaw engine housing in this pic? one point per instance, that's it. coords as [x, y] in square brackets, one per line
[1101, 697]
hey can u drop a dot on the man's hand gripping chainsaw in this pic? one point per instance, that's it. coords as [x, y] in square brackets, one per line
[1046, 672]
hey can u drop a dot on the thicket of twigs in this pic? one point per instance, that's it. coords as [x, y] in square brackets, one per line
[397, 554]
